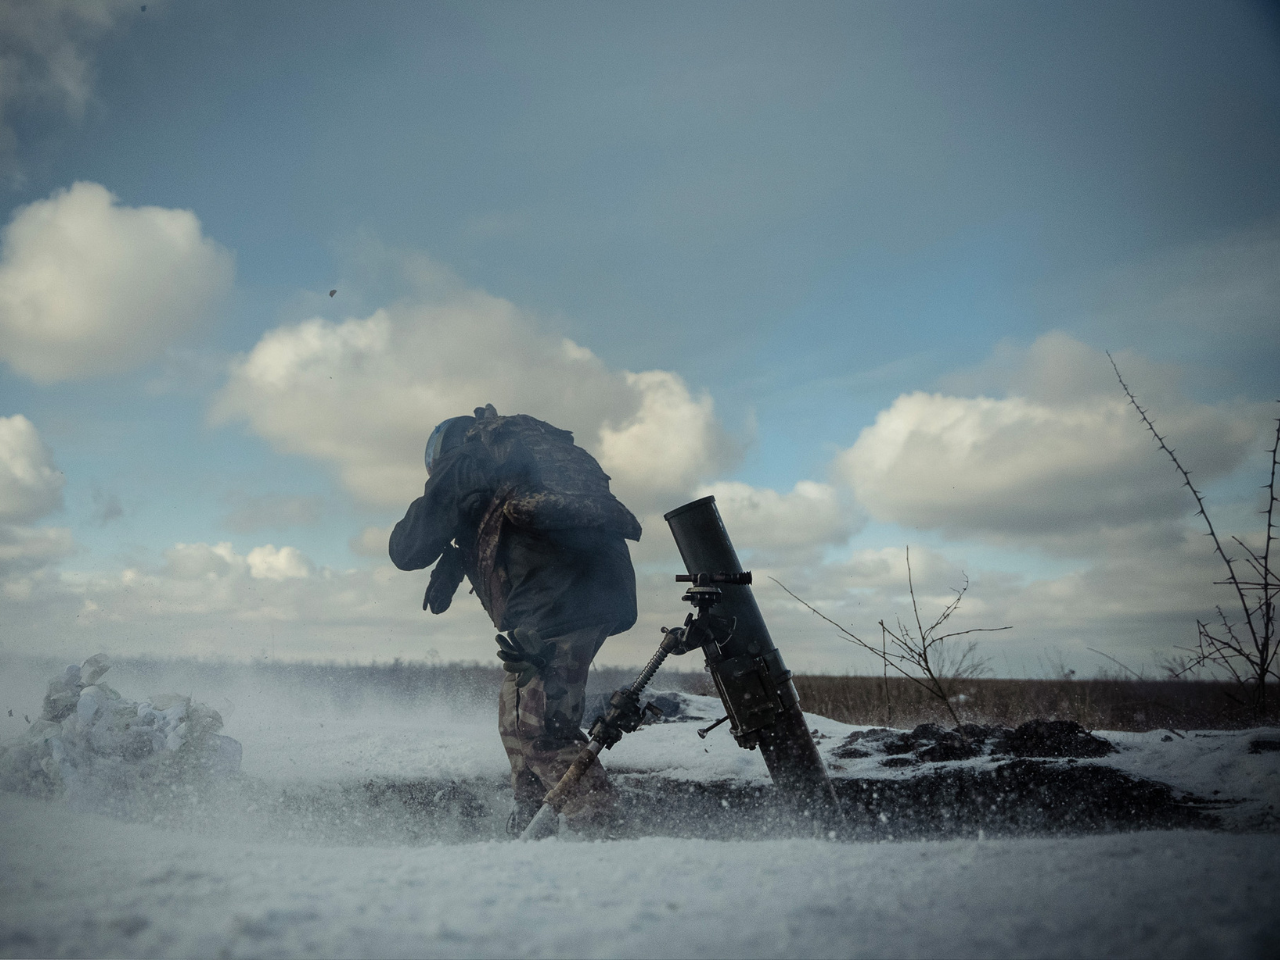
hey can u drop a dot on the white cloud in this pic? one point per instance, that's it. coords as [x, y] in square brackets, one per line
[30, 487]
[208, 599]
[200, 561]
[363, 395]
[1060, 459]
[762, 520]
[668, 444]
[30, 484]
[26, 548]
[43, 61]
[371, 542]
[286, 563]
[89, 287]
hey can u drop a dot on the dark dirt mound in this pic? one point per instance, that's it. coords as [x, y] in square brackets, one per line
[931, 743]
[951, 746]
[849, 749]
[1052, 738]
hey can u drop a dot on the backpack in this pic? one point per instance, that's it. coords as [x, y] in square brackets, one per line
[547, 482]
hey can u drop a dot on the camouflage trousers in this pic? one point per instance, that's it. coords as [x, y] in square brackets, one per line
[541, 724]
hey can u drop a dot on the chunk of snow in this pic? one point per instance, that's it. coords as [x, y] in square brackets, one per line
[92, 744]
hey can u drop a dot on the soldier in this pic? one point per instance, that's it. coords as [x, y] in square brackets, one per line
[527, 517]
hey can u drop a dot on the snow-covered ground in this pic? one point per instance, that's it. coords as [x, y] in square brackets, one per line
[290, 859]
[77, 885]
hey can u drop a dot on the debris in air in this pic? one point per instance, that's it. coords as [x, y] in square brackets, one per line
[332, 292]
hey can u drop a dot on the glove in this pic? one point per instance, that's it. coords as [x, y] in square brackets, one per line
[444, 580]
[523, 653]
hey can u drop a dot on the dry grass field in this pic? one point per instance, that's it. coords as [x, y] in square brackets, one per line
[1097, 704]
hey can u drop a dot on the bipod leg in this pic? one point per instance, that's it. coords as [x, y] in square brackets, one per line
[547, 820]
[623, 716]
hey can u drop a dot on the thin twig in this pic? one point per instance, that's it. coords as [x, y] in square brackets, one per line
[961, 633]
[1136, 676]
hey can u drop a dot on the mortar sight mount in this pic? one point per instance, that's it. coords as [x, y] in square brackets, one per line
[706, 627]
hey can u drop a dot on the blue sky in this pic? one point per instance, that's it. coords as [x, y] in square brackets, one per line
[875, 249]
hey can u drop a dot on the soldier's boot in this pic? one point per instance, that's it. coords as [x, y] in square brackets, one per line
[528, 799]
[521, 815]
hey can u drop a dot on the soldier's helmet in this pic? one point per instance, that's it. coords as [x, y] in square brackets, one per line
[446, 436]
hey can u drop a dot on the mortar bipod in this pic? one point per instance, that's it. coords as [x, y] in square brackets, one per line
[624, 714]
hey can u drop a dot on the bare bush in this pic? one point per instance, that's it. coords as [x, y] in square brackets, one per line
[926, 657]
[1244, 651]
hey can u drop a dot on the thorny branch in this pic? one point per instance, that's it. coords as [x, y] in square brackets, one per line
[1250, 665]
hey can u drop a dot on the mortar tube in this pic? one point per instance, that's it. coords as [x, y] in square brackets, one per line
[786, 744]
